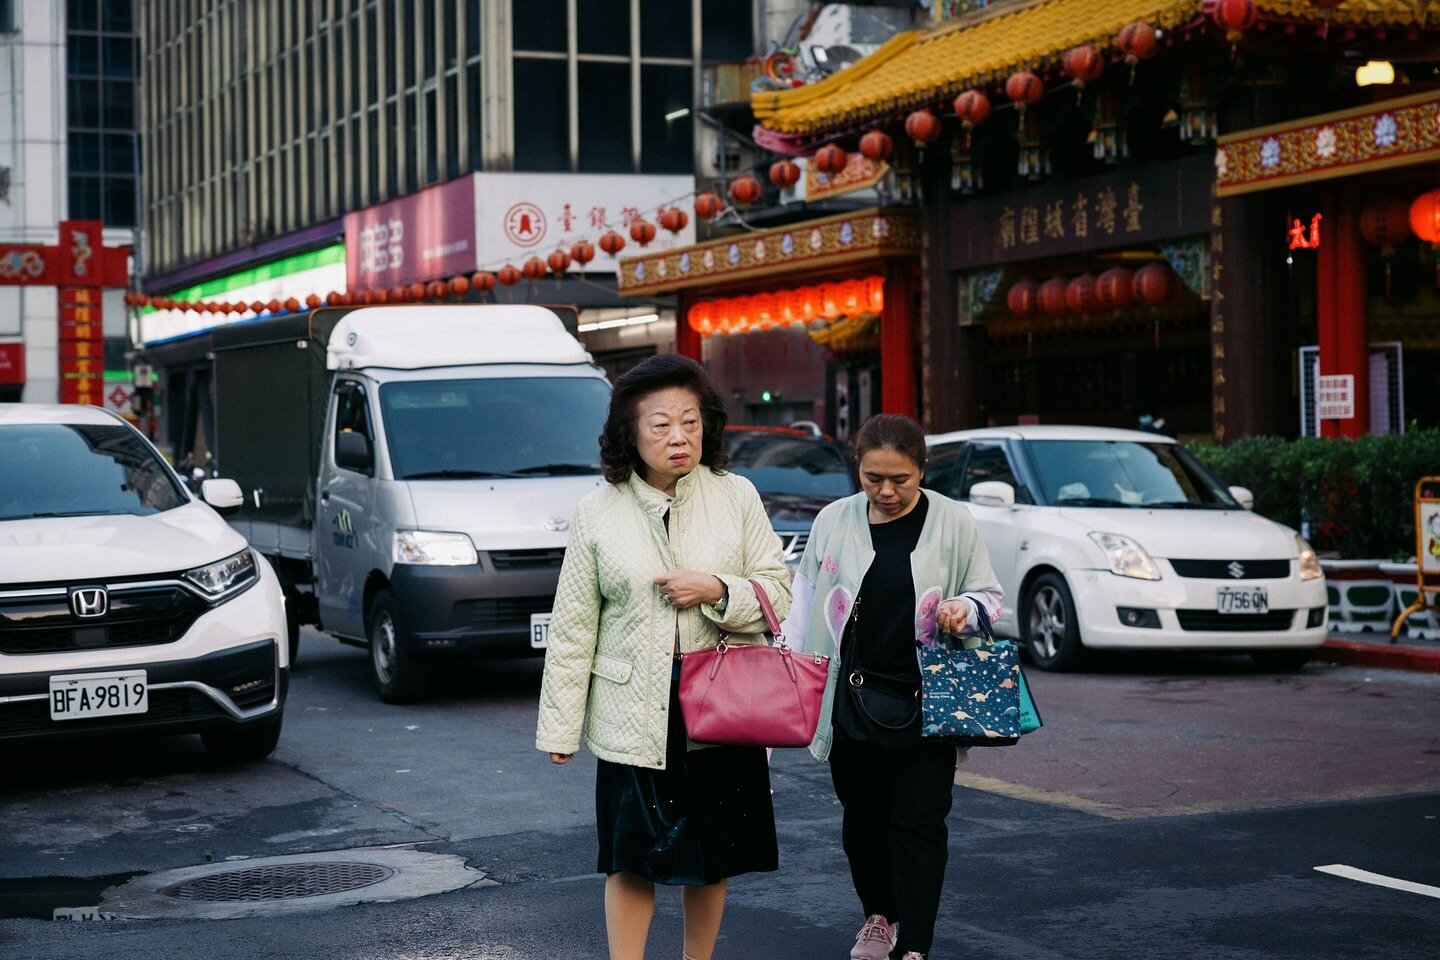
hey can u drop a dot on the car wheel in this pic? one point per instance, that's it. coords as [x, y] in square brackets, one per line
[1281, 661]
[292, 623]
[1051, 630]
[244, 744]
[399, 677]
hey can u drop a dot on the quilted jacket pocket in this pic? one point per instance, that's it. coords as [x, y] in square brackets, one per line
[612, 668]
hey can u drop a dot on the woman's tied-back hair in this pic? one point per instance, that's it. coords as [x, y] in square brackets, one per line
[619, 454]
[894, 431]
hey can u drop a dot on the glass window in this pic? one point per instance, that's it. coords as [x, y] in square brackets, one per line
[605, 117]
[351, 416]
[119, 153]
[84, 55]
[117, 16]
[452, 127]
[942, 473]
[725, 36]
[524, 427]
[666, 123]
[119, 56]
[1098, 473]
[85, 198]
[119, 99]
[83, 102]
[664, 28]
[987, 462]
[77, 470]
[427, 40]
[542, 122]
[782, 466]
[119, 202]
[84, 153]
[82, 15]
[474, 17]
[539, 25]
[432, 136]
[602, 26]
[473, 105]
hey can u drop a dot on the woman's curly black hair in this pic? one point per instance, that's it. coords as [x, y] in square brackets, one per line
[619, 454]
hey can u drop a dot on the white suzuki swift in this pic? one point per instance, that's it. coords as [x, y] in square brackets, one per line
[1120, 539]
[126, 604]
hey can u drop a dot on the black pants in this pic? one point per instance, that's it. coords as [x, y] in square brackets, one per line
[894, 831]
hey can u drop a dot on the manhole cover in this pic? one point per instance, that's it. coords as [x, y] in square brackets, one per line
[286, 881]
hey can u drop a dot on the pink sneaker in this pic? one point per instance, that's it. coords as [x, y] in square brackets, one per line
[912, 955]
[875, 940]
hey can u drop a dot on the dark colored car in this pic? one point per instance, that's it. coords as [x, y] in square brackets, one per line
[797, 471]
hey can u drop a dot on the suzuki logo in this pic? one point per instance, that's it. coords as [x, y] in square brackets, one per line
[1237, 569]
[89, 602]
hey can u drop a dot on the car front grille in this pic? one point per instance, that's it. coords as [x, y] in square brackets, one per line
[1232, 569]
[507, 612]
[138, 616]
[544, 559]
[33, 716]
[793, 544]
[1216, 622]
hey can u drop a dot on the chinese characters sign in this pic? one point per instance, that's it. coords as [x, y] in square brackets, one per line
[1144, 205]
[1335, 397]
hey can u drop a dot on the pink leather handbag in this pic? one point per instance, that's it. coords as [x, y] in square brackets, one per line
[753, 694]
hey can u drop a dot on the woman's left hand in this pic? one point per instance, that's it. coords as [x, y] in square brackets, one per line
[683, 589]
[952, 616]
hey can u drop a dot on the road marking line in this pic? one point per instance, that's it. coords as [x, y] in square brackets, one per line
[1380, 880]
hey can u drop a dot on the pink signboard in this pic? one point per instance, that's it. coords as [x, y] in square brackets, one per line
[427, 236]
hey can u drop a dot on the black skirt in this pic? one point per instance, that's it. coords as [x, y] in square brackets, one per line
[705, 817]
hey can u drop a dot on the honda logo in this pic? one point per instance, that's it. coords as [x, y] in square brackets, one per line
[1237, 569]
[89, 602]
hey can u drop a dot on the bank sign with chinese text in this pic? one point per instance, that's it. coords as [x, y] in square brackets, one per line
[486, 220]
[1144, 205]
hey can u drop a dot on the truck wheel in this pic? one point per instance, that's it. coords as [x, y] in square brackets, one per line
[292, 623]
[244, 744]
[399, 677]
[1049, 625]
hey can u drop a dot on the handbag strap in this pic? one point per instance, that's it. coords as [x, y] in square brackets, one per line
[772, 622]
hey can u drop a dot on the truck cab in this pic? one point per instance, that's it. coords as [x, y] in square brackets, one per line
[448, 456]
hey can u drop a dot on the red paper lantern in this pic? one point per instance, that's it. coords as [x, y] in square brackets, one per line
[535, 267]
[483, 281]
[745, 190]
[509, 276]
[1115, 287]
[972, 107]
[378, 296]
[334, 298]
[674, 219]
[460, 285]
[1138, 41]
[273, 306]
[1052, 296]
[582, 252]
[708, 206]
[1024, 88]
[559, 262]
[877, 145]
[642, 231]
[611, 242]
[1234, 17]
[401, 294]
[258, 307]
[1153, 284]
[831, 158]
[1023, 298]
[1386, 222]
[1084, 64]
[1080, 294]
[291, 304]
[923, 127]
[312, 301]
[1425, 216]
[784, 174]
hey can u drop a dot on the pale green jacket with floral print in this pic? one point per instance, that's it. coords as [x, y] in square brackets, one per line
[608, 667]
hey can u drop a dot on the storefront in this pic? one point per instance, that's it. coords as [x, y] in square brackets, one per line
[810, 321]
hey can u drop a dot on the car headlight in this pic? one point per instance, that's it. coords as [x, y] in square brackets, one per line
[1309, 564]
[442, 549]
[223, 579]
[1127, 558]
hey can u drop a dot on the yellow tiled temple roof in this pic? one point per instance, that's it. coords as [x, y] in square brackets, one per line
[917, 68]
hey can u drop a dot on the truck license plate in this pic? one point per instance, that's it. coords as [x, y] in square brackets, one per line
[539, 630]
[1242, 600]
[84, 695]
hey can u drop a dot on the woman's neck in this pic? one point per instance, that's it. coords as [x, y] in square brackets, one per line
[665, 485]
[875, 516]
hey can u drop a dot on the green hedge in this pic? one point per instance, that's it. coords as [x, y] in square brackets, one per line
[1358, 495]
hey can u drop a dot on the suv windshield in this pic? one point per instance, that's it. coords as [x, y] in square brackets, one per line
[790, 466]
[1124, 473]
[521, 427]
[80, 470]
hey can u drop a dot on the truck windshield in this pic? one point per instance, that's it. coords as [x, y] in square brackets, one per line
[81, 470]
[494, 427]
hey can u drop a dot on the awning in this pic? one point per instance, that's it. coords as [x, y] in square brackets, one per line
[921, 68]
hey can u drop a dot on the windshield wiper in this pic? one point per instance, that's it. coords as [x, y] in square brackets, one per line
[68, 513]
[458, 475]
[1189, 505]
[588, 469]
[1093, 502]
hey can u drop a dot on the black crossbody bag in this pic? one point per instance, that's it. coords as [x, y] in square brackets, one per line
[876, 709]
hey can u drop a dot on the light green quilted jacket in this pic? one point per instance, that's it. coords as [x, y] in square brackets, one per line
[607, 671]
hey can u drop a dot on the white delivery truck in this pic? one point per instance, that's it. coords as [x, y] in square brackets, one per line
[411, 472]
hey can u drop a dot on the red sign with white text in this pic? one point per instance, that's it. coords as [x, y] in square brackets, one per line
[427, 236]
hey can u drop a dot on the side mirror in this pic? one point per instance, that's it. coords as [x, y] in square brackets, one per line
[993, 493]
[222, 494]
[1244, 497]
[352, 451]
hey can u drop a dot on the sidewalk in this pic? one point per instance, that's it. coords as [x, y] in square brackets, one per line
[1412, 650]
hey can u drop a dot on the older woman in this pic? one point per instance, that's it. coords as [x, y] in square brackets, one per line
[658, 565]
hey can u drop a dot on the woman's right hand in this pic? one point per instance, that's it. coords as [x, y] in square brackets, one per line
[559, 758]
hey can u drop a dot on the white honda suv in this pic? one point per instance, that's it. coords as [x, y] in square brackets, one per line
[126, 603]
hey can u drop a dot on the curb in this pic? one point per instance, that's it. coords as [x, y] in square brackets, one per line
[1386, 655]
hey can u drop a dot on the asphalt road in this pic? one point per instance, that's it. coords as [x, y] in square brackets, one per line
[1172, 807]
